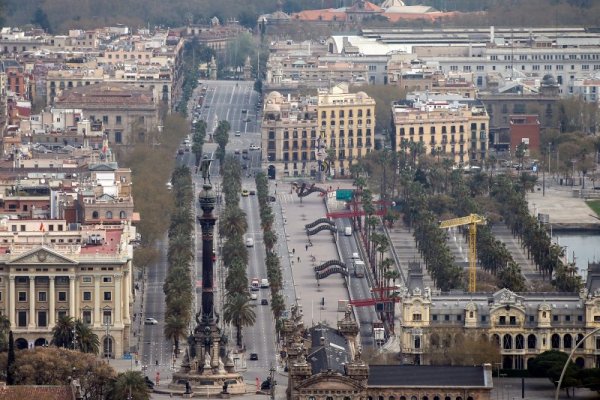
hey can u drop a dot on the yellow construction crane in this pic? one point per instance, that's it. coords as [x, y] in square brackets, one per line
[472, 220]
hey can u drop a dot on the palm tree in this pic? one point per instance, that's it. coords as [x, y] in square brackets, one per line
[233, 222]
[175, 328]
[238, 311]
[62, 333]
[129, 385]
[277, 305]
[87, 341]
[269, 238]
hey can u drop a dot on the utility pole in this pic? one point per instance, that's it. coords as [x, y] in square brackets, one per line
[272, 375]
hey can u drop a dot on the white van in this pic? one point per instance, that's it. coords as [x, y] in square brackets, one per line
[264, 283]
[355, 256]
[249, 242]
[348, 231]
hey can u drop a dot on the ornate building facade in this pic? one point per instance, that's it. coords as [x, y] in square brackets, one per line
[522, 325]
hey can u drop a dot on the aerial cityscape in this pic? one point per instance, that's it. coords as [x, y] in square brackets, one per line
[300, 199]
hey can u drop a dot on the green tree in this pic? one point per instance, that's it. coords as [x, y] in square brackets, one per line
[129, 385]
[550, 364]
[233, 222]
[4, 329]
[86, 340]
[240, 313]
[10, 364]
[175, 328]
[40, 18]
[62, 333]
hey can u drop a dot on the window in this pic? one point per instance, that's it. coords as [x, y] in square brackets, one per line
[62, 296]
[107, 279]
[105, 119]
[109, 215]
[502, 320]
[483, 318]
[107, 296]
[87, 296]
[87, 317]
[446, 317]
[107, 317]
[416, 317]
[42, 319]
[118, 137]
[118, 120]
[22, 296]
[434, 317]
[555, 318]
[42, 296]
[22, 318]
[513, 320]
[87, 279]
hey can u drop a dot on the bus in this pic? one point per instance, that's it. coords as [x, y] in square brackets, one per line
[359, 268]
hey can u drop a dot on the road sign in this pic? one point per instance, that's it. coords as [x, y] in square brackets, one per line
[344, 194]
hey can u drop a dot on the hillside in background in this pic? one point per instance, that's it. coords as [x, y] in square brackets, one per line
[60, 15]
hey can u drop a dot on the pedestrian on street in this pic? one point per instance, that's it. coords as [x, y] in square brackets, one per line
[298, 258]
[306, 247]
[294, 251]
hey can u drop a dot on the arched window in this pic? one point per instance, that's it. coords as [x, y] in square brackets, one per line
[531, 341]
[579, 339]
[414, 398]
[496, 339]
[391, 398]
[123, 215]
[507, 342]
[567, 341]
[108, 215]
[425, 398]
[95, 214]
[402, 397]
[555, 341]
[436, 397]
[519, 342]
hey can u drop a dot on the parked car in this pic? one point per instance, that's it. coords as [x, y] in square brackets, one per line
[253, 356]
[238, 133]
[245, 193]
[253, 193]
[150, 321]
[264, 302]
[254, 147]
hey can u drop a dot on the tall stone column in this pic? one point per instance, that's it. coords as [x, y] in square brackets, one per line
[207, 199]
[13, 301]
[97, 311]
[118, 305]
[52, 298]
[31, 302]
[72, 296]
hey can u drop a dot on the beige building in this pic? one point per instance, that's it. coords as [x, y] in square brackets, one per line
[49, 269]
[451, 127]
[522, 325]
[346, 124]
[298, 134]
[126, 112]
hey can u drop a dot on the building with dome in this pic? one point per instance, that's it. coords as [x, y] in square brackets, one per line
[300, 133]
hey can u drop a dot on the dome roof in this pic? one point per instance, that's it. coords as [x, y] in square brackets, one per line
[548, 80]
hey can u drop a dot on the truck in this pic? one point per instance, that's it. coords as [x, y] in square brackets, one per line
[264, 283]
[254, 284]
[359, 268]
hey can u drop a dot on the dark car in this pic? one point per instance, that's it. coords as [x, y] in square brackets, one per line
[253, 356]
[264, 302]
[253, 193]
[272, 199]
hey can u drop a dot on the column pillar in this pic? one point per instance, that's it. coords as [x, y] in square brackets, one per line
[97, 312]
[13, 301]
[118, 305]
[72, 296]
[52, 316]
[31, 302]
[126, 292]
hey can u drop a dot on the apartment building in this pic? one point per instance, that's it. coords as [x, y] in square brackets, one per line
[450, 127]
[289, 135]
[299, 133]
[346, 123]
[126, 112]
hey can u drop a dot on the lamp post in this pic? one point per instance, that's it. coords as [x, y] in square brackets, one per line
[564, 370]
[107, 340]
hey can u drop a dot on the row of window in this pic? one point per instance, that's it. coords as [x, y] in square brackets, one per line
[61, 296]
[503, 320]
[444, 131]
[341, 113]
[131, 57]
[42, 317]
[109, 215]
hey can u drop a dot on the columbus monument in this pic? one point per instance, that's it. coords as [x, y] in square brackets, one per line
[207, 368]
